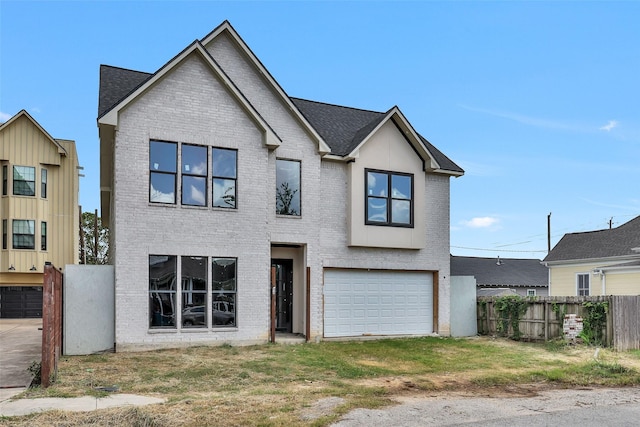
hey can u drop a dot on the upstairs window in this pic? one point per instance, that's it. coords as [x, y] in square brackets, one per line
[389, 198]
[583, 284]
[288, 187]
[43, 236]
[4, 234]
[24, 181]
[5, 178]
[163, 160]
[194, 175]
[43, 183]
[225, 173]
[24, 234]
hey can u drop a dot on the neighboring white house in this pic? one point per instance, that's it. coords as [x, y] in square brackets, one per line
[602, 262]
[216, 184]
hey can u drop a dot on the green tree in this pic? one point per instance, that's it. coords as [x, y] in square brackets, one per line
[90, 252]
[284, 197]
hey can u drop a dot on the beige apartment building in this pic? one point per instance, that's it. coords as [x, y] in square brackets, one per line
[38, 209]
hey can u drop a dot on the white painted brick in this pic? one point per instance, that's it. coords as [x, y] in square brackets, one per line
[190, 105]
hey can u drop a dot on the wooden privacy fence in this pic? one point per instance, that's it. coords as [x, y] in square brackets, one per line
[51, 324]
[544, 317]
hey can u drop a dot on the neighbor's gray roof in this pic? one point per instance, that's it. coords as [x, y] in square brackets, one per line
[510, 272]
[614, 242]
[342, 128]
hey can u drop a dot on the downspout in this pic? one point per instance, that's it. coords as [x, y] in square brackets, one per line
[604, 282]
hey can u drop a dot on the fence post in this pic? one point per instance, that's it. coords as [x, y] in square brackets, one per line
[51, 323]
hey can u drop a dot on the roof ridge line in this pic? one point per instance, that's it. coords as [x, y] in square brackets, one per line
[125, 69]
[341, 106]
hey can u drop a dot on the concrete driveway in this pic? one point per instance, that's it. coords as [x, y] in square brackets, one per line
[21, 344]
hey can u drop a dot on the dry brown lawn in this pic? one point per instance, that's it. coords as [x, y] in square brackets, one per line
[314, 384]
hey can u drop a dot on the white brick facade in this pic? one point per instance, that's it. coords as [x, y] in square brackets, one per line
[192, 105]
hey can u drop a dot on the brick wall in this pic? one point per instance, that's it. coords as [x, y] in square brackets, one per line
[190, 105]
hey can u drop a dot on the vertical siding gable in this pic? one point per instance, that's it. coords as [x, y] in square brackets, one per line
[23, 143]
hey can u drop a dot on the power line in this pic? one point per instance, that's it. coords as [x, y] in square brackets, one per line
[494, 250]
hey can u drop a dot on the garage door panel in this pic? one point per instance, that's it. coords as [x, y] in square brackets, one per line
[378, 303]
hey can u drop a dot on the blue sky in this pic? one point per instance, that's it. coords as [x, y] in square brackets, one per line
[539, 102]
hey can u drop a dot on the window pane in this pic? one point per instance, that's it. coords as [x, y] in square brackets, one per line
[194, 160]
[287, 187]
[223, 274]
[401, 187]
[163, 156]
[163, 188]
[224, 193]
[377, 209]
[24, 181]
[24, 234]
[43, 236]
[224, 163]
[162, 291]
[224, 309]
[43, 187]
[194, 190]
[5, 177]
[401, 211]
[377, 184]
[194, 288]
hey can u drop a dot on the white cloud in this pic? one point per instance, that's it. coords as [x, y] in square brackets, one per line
[612, 124]
[4, 117]
[532, 121]
[481, 222]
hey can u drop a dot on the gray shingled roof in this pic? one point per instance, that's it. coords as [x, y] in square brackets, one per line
[510, 272]
[342, 128]
[115, 84]
[614, 242]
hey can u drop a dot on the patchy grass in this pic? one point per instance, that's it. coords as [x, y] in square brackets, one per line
[272, 385]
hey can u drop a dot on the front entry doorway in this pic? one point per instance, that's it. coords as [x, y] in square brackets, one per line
[283, 294]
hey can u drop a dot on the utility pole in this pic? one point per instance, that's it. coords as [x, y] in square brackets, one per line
[95, 237]
[83, 257]
[610, 222]
[549, 232]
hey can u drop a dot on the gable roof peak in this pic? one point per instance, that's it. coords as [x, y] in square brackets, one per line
[24, 113]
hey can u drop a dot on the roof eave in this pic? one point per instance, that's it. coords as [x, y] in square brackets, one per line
[272, 140]
[589, 260]
[21, 113]
[403, 124]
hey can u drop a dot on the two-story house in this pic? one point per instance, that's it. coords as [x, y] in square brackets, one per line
[39, 212]
[238, 213]
[601, 262]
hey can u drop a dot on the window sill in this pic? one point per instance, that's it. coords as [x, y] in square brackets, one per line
[289, 216]
[162, 331]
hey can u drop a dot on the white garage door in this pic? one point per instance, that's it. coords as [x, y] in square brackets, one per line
[361, 302]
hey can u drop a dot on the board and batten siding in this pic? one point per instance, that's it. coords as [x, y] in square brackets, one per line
[24, 143]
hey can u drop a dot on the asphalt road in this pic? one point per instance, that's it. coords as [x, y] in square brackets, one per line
[584, 408]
